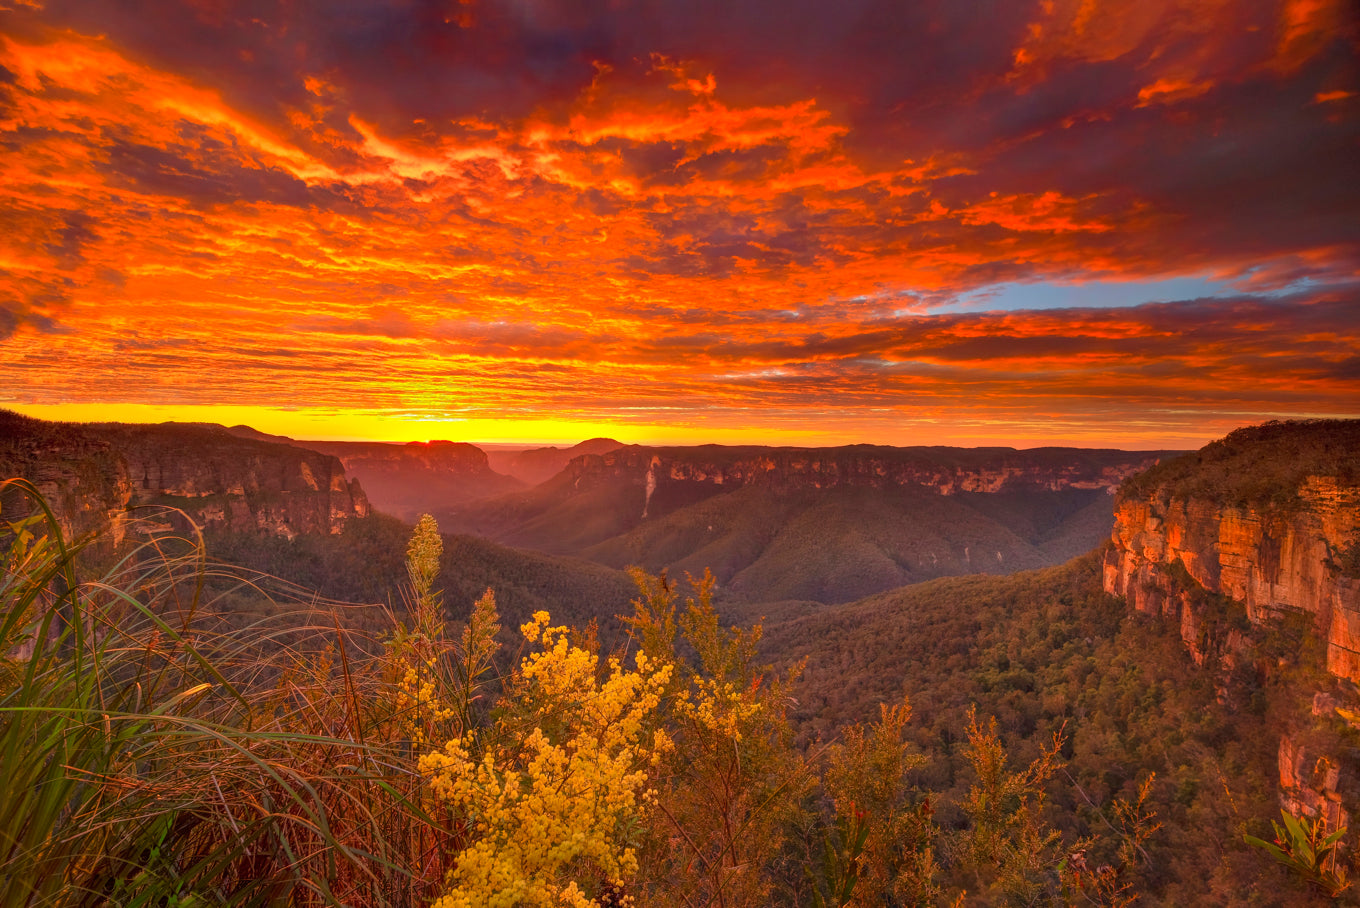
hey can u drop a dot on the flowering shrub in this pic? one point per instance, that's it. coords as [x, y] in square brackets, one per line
[552, 813]
[734, 783]
[419, 703]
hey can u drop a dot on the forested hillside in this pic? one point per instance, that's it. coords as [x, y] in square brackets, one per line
[1049, 652]
[1258, 465]
[824, 524]
[840, 544]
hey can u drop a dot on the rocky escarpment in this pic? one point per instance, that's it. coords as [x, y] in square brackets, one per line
[1271, 556]
[535, 465]
[111, 474]
[1250, 533]
[948, 471]
[408, 479]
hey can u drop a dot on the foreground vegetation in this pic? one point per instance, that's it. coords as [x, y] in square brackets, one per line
[156, 754]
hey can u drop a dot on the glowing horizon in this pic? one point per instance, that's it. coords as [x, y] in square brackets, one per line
[826, 225]
[323, 426]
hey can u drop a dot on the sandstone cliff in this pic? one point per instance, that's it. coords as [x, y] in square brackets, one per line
[1271, 553]
[406, 480]
[1262, 525]
[947, 471]
[111, 473]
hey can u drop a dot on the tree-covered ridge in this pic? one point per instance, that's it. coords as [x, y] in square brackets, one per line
[20, 435]
[1257, 465]
[855, 456]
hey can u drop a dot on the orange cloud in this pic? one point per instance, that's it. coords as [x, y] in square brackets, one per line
[1306, 27]
[1326, 97]
[1169, 91]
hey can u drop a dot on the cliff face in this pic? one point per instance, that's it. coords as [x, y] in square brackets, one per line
[92, 474]
[408, 479]
[1268, 559]
[537, 465]
[1262, 524]
[948, 471]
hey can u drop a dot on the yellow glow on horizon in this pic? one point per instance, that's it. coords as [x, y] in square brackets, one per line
[330, 425]
[358, 425]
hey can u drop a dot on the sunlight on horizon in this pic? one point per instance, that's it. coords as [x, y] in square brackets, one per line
[359, 426]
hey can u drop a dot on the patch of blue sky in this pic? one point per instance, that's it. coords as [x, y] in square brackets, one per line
[1099, 294]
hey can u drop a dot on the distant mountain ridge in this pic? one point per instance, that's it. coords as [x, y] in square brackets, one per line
[406, 480]
[828, 524]
[536, 465]
[947, 470]
[809, 524]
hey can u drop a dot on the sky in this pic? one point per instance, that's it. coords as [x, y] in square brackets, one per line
[1108, 224]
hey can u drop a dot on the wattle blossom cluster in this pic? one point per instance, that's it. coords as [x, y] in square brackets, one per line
[554, 810]
[417, 701]
[718, 706]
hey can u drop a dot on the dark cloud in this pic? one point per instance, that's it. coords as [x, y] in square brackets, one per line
[207, 171]
[15, 314]
[75, 234]
[1239, 163]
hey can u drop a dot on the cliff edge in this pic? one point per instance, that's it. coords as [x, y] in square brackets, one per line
[1269, 517]
[97, 473]
[1253, 532]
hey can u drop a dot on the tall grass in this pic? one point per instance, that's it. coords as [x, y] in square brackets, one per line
[150, 754]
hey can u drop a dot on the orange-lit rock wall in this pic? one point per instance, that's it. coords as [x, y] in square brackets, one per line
[1268, 560]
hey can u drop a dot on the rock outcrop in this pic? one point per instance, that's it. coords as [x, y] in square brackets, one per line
[1269, 558]
[1312, 783]
[948, 471]
[409, 479]
[1262, 525]
[112, 474]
